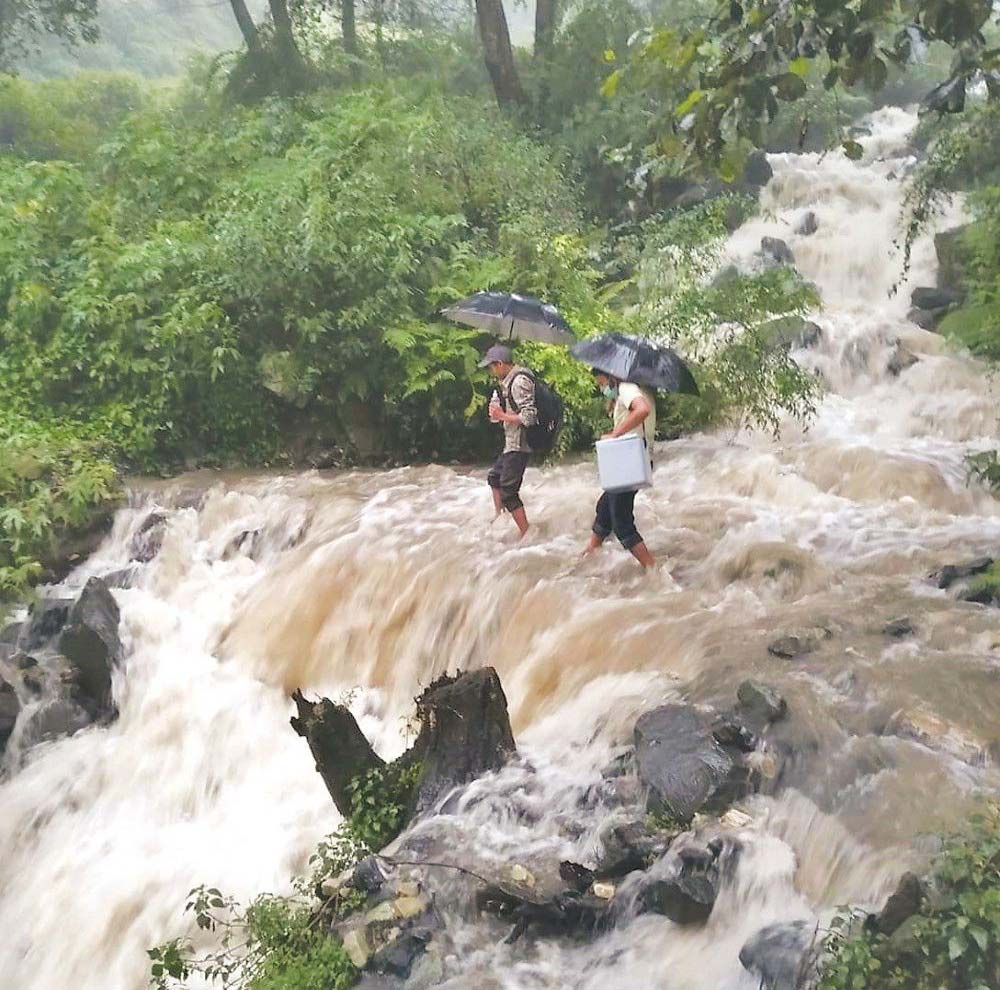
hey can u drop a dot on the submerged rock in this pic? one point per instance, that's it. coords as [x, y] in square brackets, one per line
[901, 359]
[47, 618]
[807, 225]
[760, 702]
[898, 628]
[631, 846]
[783, 956]
[148, 538]
[685, 886]
[952, 573]
[681, 763]
[776, 251]
[52, 720]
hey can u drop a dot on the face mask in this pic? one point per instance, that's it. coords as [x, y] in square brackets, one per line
[609, 392]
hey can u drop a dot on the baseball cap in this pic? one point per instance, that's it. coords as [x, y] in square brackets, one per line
[499, 354]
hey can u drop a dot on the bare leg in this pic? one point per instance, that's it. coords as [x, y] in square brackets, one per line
[594, 543]
[520, 517]
[497, 502]
[641, 553]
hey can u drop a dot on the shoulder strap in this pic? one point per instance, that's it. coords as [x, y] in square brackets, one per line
[523, 373]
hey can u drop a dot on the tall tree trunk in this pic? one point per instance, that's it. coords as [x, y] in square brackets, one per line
[247, 27]
[283, 29]
[497, 52]
[349, 27]
[546, 12]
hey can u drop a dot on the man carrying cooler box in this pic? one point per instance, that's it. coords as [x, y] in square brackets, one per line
[633, 411]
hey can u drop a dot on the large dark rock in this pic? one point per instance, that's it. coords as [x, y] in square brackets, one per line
[951, 573]
[775, 251]
[680, 762]
[689, 885]
[782, 956]
[148, 538]
[757, 171]
[396, 958]
[903, 903]
[927, 319]
[631, 846]
[931, 297]
[564, 913]
[10, 708]
[90, 642]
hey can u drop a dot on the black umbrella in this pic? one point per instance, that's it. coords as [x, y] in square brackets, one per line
[506, 314]
[632, 360]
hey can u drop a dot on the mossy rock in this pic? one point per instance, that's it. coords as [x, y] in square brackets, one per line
[975, 327]
[988, 583]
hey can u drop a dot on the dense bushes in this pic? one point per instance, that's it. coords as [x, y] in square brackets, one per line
[954, 941]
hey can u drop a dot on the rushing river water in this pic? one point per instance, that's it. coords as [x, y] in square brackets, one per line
[380, 581]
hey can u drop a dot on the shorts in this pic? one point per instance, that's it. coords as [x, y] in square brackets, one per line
[506, 475]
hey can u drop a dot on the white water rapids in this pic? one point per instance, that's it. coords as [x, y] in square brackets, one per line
[382, 580]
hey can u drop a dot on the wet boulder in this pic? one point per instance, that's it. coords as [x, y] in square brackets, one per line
[685, 886]
[681, 764]
[53, 720]
[898, 628]
[46, 620]
[90, 642]
[565, 912]
[900, 359]
[760, 703]
[927, 319]
[10, 708]
[787, 332]
[148, 538]
[775, 251]
[757, 171]
[783, 956]
[952, 573]
[807, 225]
[902, 904]
[932, 297]
[631, 846]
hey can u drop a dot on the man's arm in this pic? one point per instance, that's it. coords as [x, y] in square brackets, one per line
[637, 412]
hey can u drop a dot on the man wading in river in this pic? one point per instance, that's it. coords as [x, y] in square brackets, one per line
[633, 410]
[515, 408]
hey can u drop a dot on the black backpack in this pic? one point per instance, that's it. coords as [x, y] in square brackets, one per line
[549, 406]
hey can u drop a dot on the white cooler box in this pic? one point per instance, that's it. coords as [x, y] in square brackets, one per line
[623, 463]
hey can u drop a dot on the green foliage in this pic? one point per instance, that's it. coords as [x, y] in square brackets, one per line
[66, 119]
[989, 580]
[952, 944]
[283, 942]
[730, 82]
[275, 943]
[985, 468]
[380, 803]
[720, 326]
[53, 480]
